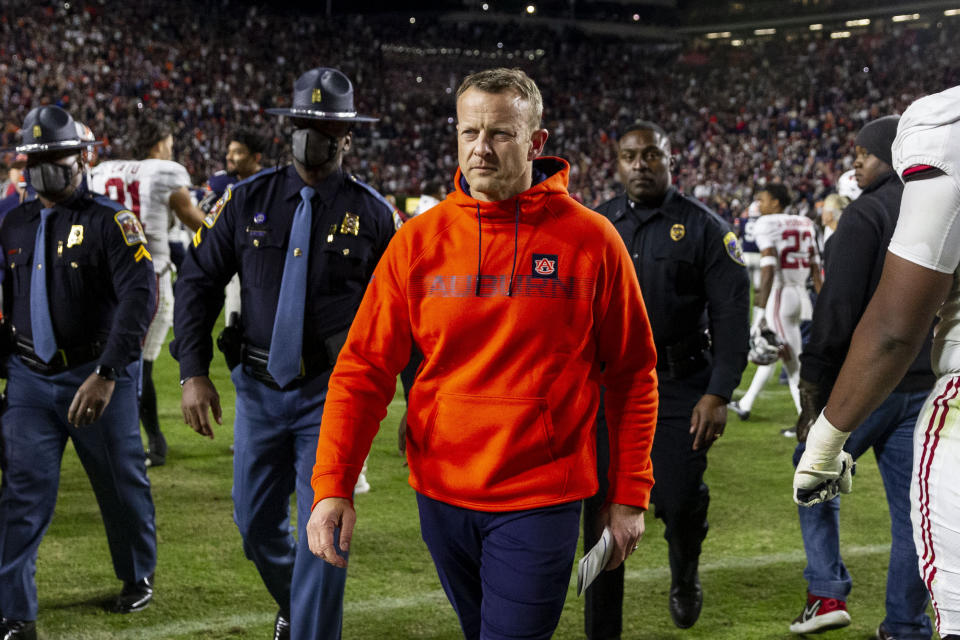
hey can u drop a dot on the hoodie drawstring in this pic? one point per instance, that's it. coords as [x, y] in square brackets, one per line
[479, 249]
[516, 241]
[516, 233]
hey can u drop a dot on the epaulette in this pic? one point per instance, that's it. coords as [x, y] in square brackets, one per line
[104, 201]
[376, 194]
[259, 174]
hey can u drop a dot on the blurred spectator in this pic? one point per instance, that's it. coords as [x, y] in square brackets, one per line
[775, 108]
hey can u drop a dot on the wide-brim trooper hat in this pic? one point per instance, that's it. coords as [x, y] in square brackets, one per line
[323, 93]
[50, 128]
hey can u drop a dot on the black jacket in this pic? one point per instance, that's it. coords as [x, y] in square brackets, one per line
[856, 254]
[692, 277]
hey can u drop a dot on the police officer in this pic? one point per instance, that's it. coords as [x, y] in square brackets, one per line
[697, 292]
[78, 292]
[305, 239]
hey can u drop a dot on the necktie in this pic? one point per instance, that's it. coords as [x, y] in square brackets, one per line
[41, 325]
[286, 343]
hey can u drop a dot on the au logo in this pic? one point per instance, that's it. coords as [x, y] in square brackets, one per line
[317, 96]
[545, 265]
[350, 224]
[37, 131]
[677, 232]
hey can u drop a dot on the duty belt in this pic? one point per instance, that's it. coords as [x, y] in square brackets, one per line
[63, 359]
[254, 360]
[683, 357]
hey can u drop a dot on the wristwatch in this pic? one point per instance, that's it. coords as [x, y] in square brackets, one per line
[105, 372]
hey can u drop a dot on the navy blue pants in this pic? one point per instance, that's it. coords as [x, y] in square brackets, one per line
[275, 447]
[35, 432]
[506, 574]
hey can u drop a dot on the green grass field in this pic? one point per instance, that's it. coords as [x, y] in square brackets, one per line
[751, 566]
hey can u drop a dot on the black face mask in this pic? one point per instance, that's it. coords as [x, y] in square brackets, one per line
[312, 148]
[50, 179]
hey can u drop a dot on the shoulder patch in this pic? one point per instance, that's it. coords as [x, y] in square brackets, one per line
[130, 227]
[211, 218]
[732, 245]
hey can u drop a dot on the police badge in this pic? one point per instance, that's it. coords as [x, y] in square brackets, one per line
[76, 236]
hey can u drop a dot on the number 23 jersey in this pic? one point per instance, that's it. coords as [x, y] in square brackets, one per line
[793, 238]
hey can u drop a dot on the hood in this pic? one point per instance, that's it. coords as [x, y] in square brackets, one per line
[550, 177]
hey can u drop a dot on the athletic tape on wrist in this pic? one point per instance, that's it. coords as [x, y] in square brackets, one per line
[825, 441]
[769, 261]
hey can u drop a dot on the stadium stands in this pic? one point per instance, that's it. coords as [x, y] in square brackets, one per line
[772, 107]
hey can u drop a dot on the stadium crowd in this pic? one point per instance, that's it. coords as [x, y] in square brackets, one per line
[773, 107]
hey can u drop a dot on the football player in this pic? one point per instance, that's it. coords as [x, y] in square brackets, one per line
[919, 281]
[789, 255]
[156, 189]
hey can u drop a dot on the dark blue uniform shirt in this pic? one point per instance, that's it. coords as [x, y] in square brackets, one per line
[100, 282]
[220, 181]
[692, 277]
[247, 232]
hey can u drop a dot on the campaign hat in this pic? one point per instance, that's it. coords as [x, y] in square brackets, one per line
[323, 93]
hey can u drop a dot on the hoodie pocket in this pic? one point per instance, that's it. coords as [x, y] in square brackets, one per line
[485, 449]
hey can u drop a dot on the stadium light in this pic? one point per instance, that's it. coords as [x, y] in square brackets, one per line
[836, 35]
[737, 43]
[531, 9]
[413, 20]
[907, 17]
[764, 32]
[718, 34]
[816, 27]
[636, 17]
[862, 22]
[952, 12]
[485, 6]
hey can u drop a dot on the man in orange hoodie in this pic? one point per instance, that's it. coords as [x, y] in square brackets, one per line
[523, 302]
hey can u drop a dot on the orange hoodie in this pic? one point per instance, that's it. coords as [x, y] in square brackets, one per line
[521, 308]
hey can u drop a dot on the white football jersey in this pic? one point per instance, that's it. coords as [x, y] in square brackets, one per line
[144, 187]
[794, 239]
[928, 230]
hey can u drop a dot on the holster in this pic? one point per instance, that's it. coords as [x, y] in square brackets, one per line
[230, 341]
[684, 357]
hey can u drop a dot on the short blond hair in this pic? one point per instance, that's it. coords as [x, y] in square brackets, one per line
[501, 80]
[836, 202]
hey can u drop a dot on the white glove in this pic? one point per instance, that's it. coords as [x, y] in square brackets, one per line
[825, 470]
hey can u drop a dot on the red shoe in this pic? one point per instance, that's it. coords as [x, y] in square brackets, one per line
[821, 614]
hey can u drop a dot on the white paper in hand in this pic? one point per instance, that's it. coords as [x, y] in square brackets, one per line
[593, 561]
